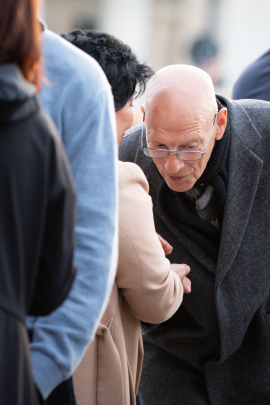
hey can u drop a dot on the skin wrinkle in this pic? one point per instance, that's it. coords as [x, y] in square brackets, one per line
[196, 140]
[180, 109]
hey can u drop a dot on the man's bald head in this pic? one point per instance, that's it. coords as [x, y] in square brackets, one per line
[179, 115]
[182, 88]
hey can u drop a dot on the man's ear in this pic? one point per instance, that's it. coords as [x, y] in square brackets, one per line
[142, 108]
[221, 123]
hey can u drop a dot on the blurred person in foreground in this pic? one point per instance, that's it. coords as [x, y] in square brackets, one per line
[206, 158]
[254, 82]
[147, 287]
[77, 96]
[37, 202]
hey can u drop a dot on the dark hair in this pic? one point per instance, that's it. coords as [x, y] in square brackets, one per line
[20, 37]
[120, 64]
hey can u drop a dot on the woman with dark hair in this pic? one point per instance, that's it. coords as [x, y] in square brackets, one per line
[37, 202]
[122, 68]
[147, 287]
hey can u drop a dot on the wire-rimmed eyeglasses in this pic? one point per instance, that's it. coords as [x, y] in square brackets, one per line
[181, 154]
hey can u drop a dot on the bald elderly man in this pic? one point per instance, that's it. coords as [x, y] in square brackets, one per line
[207, 160]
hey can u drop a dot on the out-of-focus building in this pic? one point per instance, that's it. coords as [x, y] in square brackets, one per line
[220, 36]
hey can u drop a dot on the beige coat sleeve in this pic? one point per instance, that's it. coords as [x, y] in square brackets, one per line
[153, 291]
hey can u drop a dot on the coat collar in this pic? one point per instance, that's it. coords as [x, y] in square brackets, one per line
[241, 125]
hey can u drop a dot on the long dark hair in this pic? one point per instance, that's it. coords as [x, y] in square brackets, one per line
[20, 37]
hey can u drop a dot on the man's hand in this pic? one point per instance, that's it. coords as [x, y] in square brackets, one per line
[165, 245]
[182, 270]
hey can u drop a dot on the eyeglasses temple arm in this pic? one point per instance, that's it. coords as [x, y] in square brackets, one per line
[211, 133]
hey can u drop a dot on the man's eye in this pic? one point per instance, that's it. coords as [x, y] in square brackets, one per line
[187, 147]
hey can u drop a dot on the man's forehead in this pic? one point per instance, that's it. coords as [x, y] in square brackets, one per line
[178, 121]
[177, 138]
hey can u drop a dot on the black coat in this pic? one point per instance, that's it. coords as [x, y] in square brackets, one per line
[216, 348]
[37, 213]
[254, 82]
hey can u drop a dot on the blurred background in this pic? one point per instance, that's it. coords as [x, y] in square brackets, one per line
[220, 36]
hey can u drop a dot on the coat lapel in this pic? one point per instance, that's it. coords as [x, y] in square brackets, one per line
[244, 168]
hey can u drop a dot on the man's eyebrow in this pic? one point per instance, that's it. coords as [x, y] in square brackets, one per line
[193, 139]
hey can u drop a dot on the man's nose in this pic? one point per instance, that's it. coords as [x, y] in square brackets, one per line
[173, 164]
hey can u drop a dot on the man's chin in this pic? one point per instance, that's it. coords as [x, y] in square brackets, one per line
[180, 187]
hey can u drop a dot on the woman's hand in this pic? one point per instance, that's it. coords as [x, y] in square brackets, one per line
[165, 245]
[182, 270]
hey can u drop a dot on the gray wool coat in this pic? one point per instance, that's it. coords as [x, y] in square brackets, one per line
[220, 356]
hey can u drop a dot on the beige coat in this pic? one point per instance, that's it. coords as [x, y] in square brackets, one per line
[145, 289]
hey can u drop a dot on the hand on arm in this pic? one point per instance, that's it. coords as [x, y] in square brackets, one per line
[181, 269]
[165, 245]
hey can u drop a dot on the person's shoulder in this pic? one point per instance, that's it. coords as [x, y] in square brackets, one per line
[248, 117]
[257, 111]
[131, 175]
[70, 62]
[253, 70]
[130, 143]
[133, 131]
[251, 104]
[63, 51]
[40, 123]
[256, 116]
[246, 104]
[130, 172]
[254, 80]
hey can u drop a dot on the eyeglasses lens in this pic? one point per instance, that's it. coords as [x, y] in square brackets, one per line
[162, 154]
